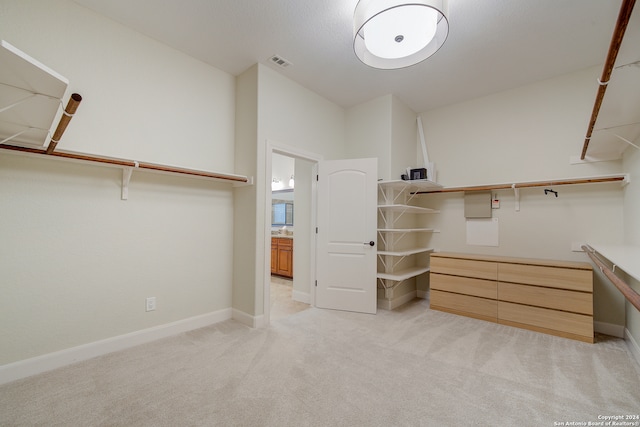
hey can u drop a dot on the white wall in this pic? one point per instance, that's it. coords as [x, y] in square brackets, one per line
[368, 133]
[282, 168]
[384, 128]
[246, 157]
[404, 131]
[632, 229]
[287, 115]
[77, 262]
[304, 235]
[137, 102]
[528, 133]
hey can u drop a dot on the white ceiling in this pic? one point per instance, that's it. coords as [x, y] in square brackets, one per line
[493, 45]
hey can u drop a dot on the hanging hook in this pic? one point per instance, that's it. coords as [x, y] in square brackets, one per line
[548, 190]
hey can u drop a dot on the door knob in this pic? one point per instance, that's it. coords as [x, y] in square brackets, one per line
[371, 243]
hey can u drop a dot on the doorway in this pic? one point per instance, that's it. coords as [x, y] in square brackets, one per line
[304, 218]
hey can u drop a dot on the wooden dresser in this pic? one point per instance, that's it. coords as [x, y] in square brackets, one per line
[554, 297]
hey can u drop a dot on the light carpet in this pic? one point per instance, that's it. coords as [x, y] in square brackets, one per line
[407, 367]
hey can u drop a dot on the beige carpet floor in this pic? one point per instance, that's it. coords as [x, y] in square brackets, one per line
[407, 367]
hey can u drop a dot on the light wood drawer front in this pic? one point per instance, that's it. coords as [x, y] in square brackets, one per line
[578, 324]
[563, 278]
[465, 267]
[577, 302]
[465, 303]
[464, 285]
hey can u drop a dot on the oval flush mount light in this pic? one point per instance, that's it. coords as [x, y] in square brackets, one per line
[391, 34]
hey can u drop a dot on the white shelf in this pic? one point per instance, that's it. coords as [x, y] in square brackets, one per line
[30, 94]
[406, 252]
[407, 209]
[405, 230]
[405, 274]
[624, 257]
[410, 185]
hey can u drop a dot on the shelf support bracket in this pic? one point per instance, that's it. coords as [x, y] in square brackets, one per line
[16, 135]
[15, 104]
[126, 177]
[516, 192]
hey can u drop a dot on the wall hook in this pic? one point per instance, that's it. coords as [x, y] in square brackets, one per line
[548, 190]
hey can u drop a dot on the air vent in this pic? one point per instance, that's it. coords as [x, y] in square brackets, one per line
[279, 61]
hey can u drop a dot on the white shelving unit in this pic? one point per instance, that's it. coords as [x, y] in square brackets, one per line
[31, 95]
[400, 253]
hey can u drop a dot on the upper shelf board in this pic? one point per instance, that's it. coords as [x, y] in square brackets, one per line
[406, 209]
[409, 185]
[35, 89]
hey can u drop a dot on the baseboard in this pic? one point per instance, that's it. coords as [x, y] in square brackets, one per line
[633, 345]
[386, 304]
[47, 362]
[301, 297]
[609, 329]
[248, 319]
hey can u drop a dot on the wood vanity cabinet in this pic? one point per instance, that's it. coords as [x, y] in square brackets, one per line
[554, 297]
[282, 256]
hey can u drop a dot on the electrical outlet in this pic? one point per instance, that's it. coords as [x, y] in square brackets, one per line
[151, 303]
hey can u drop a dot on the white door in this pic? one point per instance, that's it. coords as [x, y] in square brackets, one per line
[347, 227]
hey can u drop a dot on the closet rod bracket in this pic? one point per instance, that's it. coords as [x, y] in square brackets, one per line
[250, 181]
[126, 178]
[516, 193]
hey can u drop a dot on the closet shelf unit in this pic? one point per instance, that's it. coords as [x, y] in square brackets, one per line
[399, 262]
[31, 95]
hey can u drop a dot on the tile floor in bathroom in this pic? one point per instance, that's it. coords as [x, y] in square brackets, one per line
[282, 303]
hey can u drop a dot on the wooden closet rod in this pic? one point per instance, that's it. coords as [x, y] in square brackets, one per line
[128, 163]
[612, 178]
[67, 115]
[632, 296]
[616, 40]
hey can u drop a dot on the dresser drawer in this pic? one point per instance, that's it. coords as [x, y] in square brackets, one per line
[480, 308]
[577, 302]
[464, 267]
[464, 285]
[284, 241]
[544, 318]
[553, 277]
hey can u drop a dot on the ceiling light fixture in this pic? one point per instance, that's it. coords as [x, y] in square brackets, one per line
[391, 34]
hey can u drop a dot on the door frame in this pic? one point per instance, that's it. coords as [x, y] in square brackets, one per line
[297, 153]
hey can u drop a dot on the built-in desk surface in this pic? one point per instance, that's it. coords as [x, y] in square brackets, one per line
[626, 258]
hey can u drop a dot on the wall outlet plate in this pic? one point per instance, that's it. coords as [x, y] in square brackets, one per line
[150, 303]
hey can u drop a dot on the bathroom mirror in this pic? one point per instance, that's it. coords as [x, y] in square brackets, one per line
[282, 208]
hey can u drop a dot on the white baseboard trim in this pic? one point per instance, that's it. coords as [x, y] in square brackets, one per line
[248, 319]
[386, 304]
[632, 344]
[301, 297]
[609, 329]
[47, 362]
